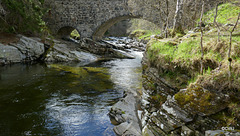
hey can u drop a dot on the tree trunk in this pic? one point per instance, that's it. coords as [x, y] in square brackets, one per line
[166, 29]
[202, 56]
[177, 24]
[229, 51]
[215, 22]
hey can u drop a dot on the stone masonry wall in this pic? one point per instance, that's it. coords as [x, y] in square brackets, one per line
[92, 18]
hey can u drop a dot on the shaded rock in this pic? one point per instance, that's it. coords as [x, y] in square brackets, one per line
[169, 117]
[147, 132]
[137, 33]
[187, 131]
[30, 48]
[9, 54]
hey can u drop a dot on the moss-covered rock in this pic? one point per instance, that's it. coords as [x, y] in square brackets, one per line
[198, 100]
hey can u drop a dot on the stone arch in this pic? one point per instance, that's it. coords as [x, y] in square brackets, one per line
[100, 31]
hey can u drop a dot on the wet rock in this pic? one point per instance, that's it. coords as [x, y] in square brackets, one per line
[104, 49]
[125, 113]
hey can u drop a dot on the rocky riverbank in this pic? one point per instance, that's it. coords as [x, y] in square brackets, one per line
[21, 49]
[177, 100]
[32, 49]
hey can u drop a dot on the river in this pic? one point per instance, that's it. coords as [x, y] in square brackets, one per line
[64, 99]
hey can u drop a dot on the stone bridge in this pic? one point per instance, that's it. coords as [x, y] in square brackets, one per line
[92, 18]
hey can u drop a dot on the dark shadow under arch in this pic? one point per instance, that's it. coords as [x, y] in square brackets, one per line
[64, 32]
[98, 34]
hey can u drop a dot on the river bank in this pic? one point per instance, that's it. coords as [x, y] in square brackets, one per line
[179, 100]
[20, 49]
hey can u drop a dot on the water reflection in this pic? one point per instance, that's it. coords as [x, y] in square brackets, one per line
[63, 100]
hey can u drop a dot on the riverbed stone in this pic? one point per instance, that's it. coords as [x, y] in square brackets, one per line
[104, 49]
[125, 112]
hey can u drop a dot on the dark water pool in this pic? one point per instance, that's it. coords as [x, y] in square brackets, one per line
[64, 99]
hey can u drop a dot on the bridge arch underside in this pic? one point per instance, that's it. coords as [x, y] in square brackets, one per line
[65, 31]
[100, 31]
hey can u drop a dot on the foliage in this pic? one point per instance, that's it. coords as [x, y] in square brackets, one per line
[75, 33]
[143, 25]
[25, 16]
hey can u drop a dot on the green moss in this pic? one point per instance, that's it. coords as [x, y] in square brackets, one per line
[196, 98]
[94, 75]
[144, 34]
[157, 100]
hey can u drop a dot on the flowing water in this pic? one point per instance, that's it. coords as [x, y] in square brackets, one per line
[64, 99]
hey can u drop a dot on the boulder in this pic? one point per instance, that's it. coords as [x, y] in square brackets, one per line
[197, 100]
[9, 54]
[60, 52]
[30, 48]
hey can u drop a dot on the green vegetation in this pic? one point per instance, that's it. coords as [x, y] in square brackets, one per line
[179, 58]
[227, 13]
[75, 33]
[25, 16]
[144, 34]
[197, 98]
[94, 75]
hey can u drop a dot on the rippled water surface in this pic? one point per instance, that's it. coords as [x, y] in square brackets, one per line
[64, 99]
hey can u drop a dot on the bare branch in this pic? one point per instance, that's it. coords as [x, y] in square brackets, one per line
[215, 22]
[202, 56]
[230, 48]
